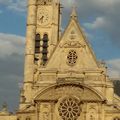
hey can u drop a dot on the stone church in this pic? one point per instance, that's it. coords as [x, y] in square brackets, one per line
[62, 78]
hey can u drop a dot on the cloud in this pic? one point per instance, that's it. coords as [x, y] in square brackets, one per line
[101, 15]
[96, 15]
[11, 68]
[98, 23]
[5, 2]
[11, 44]
[68, 3]
[19, 5]
[114, 68]
[16, 5]
[9, 86]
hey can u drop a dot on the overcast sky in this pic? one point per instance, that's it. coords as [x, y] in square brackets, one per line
[100, 19]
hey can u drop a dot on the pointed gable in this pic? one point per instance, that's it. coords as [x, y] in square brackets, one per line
[73, 50]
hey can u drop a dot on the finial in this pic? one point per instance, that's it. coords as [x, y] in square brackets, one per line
[4, 107]
[74, 13]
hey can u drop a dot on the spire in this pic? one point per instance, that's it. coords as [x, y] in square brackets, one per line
[74, 13]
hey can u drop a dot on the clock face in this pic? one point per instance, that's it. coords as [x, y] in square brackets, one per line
[43, 17]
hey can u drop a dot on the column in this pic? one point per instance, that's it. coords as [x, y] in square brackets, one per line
[30, 48]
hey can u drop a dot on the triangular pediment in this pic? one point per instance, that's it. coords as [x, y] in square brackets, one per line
[73, 50]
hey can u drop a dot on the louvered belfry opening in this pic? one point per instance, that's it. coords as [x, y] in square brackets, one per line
[37, 47]
[41, 48]
[45, 49]
[37, 43]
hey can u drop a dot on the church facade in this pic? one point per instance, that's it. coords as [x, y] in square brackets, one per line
[62, 78]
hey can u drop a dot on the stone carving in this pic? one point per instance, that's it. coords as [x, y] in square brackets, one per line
[72, 44]
[46, 109]
[45, 116]
[72, 35]
[44, 2]
[92, 112]
[94, 78]
[60, 90]
[22, 97]
[69, 109]
[72, 57]
[36, 73]
[92, 117]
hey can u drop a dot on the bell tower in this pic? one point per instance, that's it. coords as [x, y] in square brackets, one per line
[42, 35]
[47, 29]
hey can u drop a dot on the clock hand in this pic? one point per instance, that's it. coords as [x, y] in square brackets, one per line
[41, 19]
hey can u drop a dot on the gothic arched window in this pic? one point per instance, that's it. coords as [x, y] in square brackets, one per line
[37, 43]
[45, 49]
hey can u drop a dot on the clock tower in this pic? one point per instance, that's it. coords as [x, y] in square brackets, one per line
[42, 35]
[47, 29]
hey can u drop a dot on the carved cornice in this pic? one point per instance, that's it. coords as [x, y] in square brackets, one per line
[70, 80]
[70, 84]
[72, 44]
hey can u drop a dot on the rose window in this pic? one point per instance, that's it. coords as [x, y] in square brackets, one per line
[69, 109]
[72, 57]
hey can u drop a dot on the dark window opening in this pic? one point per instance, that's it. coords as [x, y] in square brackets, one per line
[45, 49]
[37, 38]
[37, 43]
[45, 38]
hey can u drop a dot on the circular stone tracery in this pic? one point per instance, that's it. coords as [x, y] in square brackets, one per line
[69, 109]
[72, 57]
